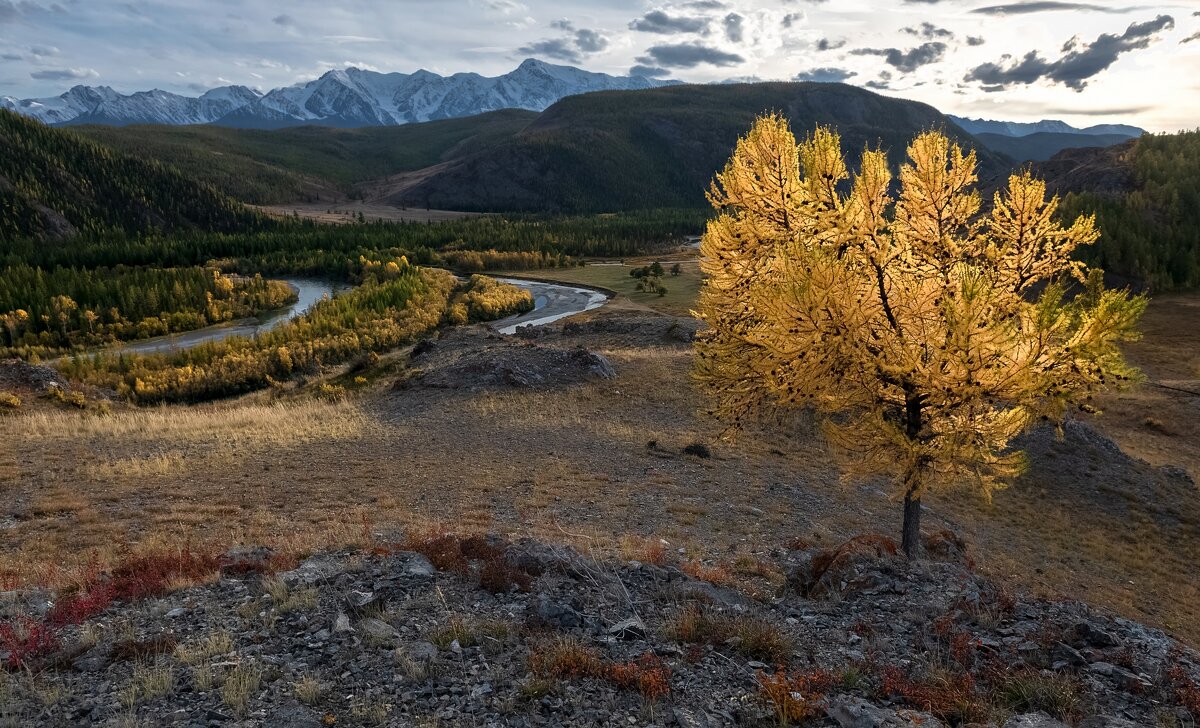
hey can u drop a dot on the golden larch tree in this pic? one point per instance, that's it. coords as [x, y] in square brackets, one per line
[924, 334]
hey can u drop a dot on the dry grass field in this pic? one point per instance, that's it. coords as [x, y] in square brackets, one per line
[569, 465]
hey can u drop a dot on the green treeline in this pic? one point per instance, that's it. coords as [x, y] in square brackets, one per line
[1152, 233]
[56, 184]
[58, 308]
[301, 247]
[396, 304]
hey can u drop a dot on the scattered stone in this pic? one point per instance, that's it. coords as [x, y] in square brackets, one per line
[363, 602]
[1034, 720]
[473, 360]
[369, 639]
[853, 712]
[312, 570]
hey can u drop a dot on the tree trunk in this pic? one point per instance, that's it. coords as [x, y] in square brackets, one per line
[911, 540]
[911, 531]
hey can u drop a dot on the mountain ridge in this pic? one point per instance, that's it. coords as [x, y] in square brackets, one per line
[1052, 126]
[347, 98]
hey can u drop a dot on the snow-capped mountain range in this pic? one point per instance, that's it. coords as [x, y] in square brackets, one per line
[347, 98]
[1053, 126]
[102, 105]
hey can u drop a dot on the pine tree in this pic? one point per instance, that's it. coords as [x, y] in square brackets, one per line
[925, 335]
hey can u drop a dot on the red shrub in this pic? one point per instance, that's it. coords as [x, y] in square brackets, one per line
[27, 639]
[648, 675]
[1187, 694]
[499, 577]
[443, 550]
[796, 696]
[950, 697]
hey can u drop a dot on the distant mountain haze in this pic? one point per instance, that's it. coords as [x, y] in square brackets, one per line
[1050, 126]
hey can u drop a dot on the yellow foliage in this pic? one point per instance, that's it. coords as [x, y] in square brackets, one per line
[926, 334]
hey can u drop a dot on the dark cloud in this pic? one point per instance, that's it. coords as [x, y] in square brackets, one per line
[562, 49]
[826, 44]
[580, 42]
[64, 74]
[8, 11]
[43, 51]
[11, 57]
[688, 55]
[590, 41]
[975, 40]
[792, 19]
[706, 5]
[285, 20]
[909, 60]
[1043, 6]
[825, 75]
[649, 71]
[928, 31]
[735, 27]
[1079, 63]
[1190, 38]
[657, 21]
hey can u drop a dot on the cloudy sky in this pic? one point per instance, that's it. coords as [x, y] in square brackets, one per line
[1084, 62]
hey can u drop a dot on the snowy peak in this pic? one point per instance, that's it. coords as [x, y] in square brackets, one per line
[348, 97]
[1053, 126]
[103, 105]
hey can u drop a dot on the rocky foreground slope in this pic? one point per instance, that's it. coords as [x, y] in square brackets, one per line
[450, 631]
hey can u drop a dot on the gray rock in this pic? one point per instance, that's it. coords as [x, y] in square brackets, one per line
[1034, 720]
[1064, 655]
[363, 602]
[629, 629]
[1104, 721]
[422, 651]
[557, 614]
[1091, 634]
[292, 715]
[341, 623]
[692, 718]
[319, 568]
[415, 564]
[376, 630]
[852, 712]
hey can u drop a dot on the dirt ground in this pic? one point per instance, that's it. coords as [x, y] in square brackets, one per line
[342, 213]
[587, 464]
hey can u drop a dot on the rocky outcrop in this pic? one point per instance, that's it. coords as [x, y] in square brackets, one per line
[479, 631]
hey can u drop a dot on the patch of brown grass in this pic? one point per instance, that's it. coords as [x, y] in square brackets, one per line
[750, 636]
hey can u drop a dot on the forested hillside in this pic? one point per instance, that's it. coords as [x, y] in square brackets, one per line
[654, 148]
[1044, 145]
[1146, 196]
[598, 152]
[54, 184]
[307, 163]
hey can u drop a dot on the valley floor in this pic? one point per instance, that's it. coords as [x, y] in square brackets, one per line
[590, 464]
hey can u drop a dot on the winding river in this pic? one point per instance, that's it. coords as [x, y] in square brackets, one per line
[308, 290]
[551, 303]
